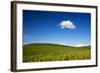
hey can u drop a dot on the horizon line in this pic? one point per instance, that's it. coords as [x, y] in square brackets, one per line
[77, 45]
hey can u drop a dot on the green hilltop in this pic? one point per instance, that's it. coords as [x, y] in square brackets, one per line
[39, 52]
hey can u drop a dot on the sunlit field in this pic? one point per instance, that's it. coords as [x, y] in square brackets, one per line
[54, 52]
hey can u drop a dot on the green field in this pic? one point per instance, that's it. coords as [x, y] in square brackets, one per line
[54, 52]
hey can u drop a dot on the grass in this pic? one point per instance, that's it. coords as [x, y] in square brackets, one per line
[54, 52]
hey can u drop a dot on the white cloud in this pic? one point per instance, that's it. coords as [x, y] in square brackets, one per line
[67, 24]
[81, 45]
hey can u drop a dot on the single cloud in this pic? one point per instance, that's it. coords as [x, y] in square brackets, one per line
[67, 24]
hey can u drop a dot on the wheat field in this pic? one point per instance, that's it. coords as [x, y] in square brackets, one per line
[41, 52]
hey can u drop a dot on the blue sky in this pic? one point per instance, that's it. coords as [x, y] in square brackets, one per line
[56, 27]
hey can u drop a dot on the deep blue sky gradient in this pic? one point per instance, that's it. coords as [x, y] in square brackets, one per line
[44, 27]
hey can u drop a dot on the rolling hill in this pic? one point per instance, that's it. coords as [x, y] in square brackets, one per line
[40, 52]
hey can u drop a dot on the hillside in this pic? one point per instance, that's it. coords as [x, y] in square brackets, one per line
[39, 52]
